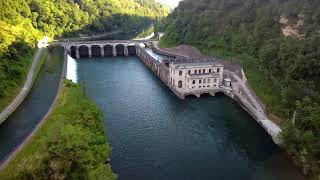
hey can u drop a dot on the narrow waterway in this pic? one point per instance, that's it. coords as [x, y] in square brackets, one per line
[155, 135]
[21, 123]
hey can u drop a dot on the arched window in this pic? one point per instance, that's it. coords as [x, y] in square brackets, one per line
[200, 81]
[195, 71]
[210, 70]
[218, 70]
[199, 71]
[194, 82]
[203, 71]
[180, 73]
[180, 84]
[189, 72]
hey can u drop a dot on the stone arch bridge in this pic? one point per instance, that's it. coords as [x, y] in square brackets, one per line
[79, 49]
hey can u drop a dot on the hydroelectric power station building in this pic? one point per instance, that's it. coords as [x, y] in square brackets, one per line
[196, 78]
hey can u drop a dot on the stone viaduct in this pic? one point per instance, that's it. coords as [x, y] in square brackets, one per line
[79, 49]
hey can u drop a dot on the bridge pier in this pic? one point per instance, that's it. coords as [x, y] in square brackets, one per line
[126, 51]
[102, 50]
[90, 51]
[114, 50]
[77, 52]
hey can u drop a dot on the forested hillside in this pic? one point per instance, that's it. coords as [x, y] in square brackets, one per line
[23, 22]
[278, 44]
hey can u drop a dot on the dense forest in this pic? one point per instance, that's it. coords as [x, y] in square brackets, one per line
[24, 22]
[278, 44]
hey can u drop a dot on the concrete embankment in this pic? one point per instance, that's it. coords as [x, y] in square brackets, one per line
[25, 90]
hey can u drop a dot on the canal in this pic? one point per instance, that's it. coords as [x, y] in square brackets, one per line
[155, 135]
[21, 123]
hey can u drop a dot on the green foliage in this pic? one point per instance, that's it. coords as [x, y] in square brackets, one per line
[24, 22]
[282, 70]
[302, 136]
[70, 145]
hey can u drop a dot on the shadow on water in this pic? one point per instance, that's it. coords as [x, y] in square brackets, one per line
[21, 123]
[155, 135]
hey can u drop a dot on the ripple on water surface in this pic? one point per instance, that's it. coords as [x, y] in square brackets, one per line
[155, 135]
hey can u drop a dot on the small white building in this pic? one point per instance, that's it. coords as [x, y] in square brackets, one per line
[195, 77]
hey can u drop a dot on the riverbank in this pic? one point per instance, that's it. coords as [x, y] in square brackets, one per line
[69, 137]
[17, 93]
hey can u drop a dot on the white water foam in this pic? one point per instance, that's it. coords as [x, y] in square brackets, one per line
[72, 70]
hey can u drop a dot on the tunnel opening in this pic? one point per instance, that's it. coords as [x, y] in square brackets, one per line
[96, 51]
[108, 50]
[191, 96]
[131, 50]
[83, 51]
[73, 52]
[206, 95]
[120, 50]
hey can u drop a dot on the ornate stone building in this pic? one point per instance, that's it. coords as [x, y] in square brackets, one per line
[195, 77]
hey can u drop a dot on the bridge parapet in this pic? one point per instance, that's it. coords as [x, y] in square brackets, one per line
[89, 49]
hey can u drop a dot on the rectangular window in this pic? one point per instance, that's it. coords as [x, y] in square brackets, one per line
[208, 86]
[208, 80]
[200, 81]
[204, 81]
[215, 80]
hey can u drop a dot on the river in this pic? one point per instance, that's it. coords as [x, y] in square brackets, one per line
[155, 135]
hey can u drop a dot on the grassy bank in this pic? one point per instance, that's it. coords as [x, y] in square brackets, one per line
[14, 86]
[71, 144]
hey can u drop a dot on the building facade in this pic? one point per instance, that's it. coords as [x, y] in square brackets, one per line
[192, 77]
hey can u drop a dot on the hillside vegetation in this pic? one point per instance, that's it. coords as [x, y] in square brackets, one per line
[278, 44]
[24, 22]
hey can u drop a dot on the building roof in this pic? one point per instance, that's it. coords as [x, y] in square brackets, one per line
[196, 64]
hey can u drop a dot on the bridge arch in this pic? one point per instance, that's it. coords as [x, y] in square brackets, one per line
[96, 51]
[132, 50]
[108, 50]
[206, 94]
[83, 51]
[73, 52]
[191, 95]
[120, 50]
